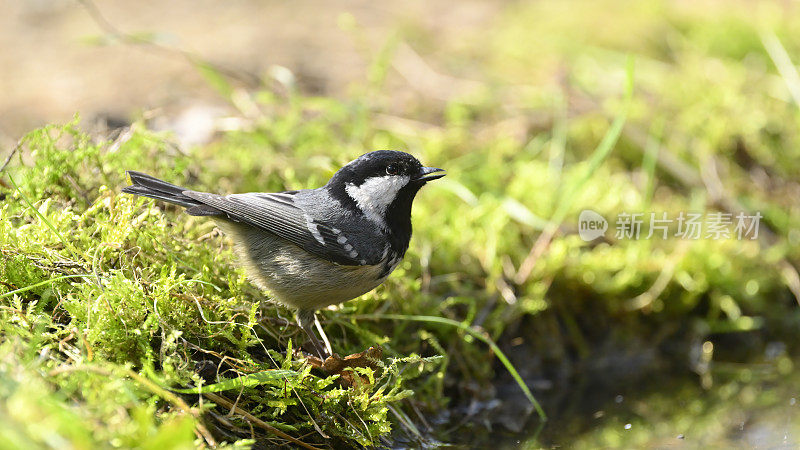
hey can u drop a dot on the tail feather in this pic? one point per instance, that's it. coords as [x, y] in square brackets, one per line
[148, 186]
[150, 182]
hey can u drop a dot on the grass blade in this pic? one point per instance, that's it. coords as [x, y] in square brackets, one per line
[43, 283]
[599, 155]
[69, 246]
[476, 334]
[783, 63]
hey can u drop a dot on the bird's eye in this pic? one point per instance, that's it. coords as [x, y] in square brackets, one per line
[391, 169]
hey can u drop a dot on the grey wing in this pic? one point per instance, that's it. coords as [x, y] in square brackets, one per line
[278, 214]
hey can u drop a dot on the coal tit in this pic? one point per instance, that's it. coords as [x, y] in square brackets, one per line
[315, 247]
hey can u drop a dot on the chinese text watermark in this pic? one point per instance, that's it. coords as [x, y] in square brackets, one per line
[684, 225]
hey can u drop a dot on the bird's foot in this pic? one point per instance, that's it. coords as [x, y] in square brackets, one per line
[336, 365]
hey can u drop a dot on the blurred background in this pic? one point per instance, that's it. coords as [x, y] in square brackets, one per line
[538, 110]
[60, 57]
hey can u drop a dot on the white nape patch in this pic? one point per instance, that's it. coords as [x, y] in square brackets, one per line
[312, 227]
[375, 194]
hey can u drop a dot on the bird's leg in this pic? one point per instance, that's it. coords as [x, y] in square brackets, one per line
[306, 319]
[325, 340]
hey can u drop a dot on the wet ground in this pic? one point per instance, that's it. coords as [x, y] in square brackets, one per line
[646, 401]
[745, 406]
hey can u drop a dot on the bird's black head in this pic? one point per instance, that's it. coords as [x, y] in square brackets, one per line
[385, 165]
[381, 185]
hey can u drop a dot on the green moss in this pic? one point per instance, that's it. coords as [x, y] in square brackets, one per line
[96, 286]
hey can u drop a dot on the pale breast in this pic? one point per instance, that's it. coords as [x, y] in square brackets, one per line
[296, 278]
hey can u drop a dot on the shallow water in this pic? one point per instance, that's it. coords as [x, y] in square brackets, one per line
[730, 405]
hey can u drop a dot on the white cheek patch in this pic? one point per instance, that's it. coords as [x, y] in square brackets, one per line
[375, 194]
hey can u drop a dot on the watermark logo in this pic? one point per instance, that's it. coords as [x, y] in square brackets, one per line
[591, 225]
[686, 225]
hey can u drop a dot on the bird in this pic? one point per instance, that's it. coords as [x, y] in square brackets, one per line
[313, 248]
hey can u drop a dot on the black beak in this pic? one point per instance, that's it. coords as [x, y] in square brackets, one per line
[426, 174]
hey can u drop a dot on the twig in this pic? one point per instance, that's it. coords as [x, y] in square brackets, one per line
[11, 155]
[125, 38]
[255, 420]
[536, 252]
[662, 281]
[423, 78]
